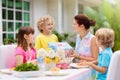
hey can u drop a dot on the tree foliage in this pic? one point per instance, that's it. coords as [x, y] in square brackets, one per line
[107, 15]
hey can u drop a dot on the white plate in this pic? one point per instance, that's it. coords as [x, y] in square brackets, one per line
[6, 71]
[27, 73]
[57, 73]
[74, 65]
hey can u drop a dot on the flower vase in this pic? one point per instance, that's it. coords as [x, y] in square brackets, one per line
[49, 66]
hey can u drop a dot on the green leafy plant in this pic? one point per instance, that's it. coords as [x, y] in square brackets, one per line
[8, 41]
[26, 67]
[70, 38]
[107, 15]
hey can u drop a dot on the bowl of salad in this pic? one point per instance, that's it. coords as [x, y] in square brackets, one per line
[27, 70]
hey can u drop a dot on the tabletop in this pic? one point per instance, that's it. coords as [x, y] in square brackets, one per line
[74, 74]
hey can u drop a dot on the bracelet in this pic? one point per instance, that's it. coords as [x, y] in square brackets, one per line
[78, 57]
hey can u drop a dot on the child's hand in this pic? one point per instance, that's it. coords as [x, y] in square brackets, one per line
[87, 63]
[32, 61]
[82, 63]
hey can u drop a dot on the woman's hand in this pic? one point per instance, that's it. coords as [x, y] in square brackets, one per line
[74, 54]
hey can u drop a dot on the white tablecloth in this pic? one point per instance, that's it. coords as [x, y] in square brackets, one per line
[74, 74]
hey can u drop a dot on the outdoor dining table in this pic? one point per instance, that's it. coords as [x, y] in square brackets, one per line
[74, 74]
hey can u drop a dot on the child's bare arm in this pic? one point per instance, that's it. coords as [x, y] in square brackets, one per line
[19, 59]
[97, 68]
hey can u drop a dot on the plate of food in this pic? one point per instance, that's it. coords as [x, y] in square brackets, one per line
[6, 71]
[56, 72]
[78, 65]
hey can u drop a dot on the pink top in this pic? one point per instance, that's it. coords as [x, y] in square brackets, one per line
[27, 55]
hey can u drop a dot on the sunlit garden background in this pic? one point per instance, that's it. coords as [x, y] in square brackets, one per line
[107, 14]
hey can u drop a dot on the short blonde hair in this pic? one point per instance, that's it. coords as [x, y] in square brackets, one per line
[105, 36]
[43, 21]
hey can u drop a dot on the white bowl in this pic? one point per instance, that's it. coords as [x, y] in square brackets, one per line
[27, 73]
